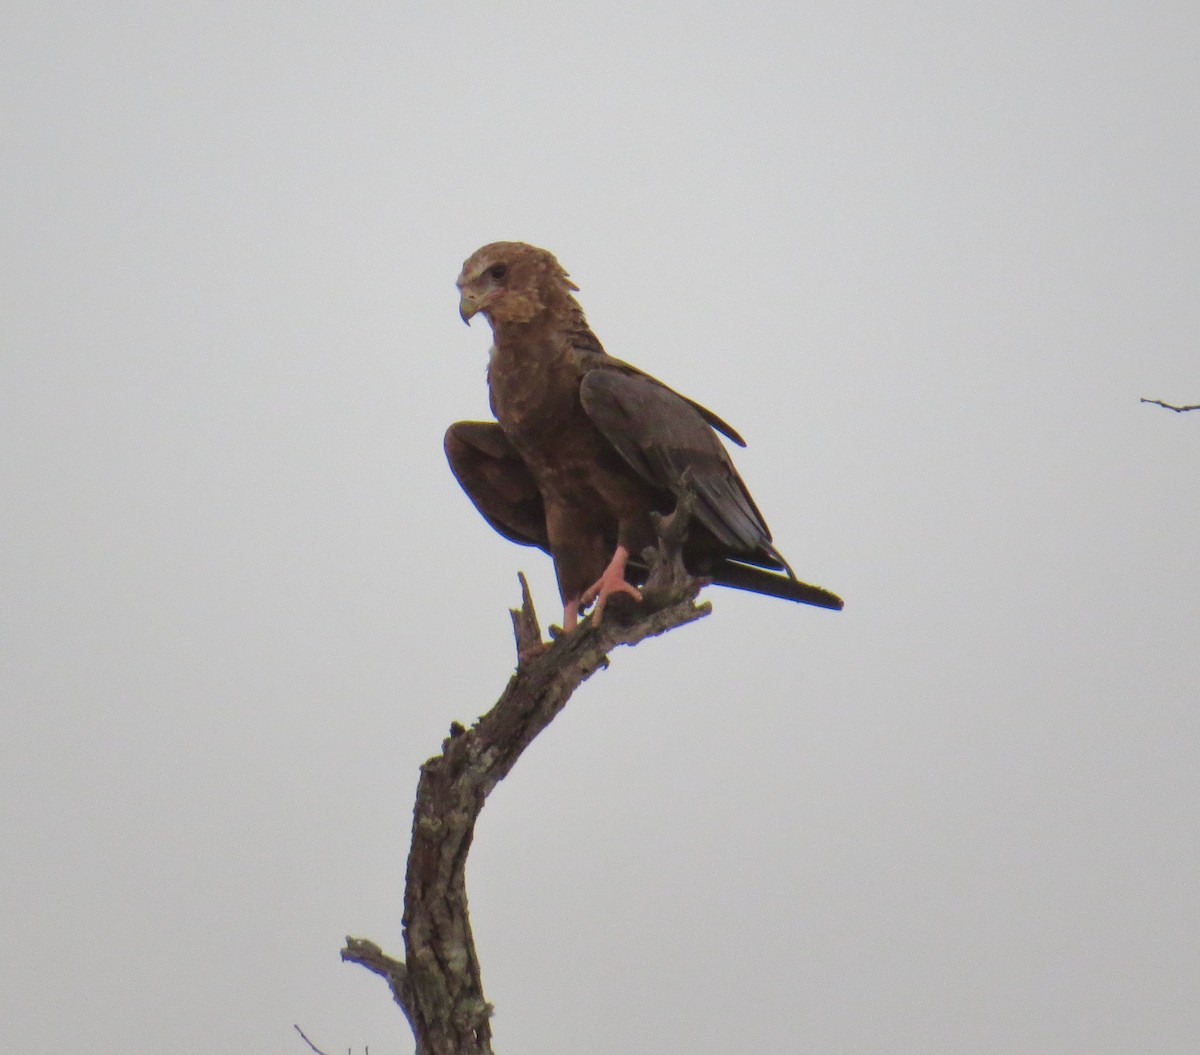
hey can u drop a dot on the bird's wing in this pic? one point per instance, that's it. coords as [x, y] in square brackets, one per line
[661, 435]
[620, 366]
[497, 481]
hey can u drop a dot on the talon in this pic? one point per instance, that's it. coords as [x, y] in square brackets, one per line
[611, 581]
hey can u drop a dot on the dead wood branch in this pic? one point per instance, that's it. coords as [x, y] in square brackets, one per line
[366, 1050]
[1171, 406]
[438, 984]
[307, 1041]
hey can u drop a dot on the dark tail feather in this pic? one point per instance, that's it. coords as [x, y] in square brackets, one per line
[758, 580]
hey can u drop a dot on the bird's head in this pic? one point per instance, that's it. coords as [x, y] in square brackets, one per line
[511, 282]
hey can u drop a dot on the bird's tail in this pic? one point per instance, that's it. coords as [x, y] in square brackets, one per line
[759, 580]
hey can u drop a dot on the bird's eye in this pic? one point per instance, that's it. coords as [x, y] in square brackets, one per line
[498, 271]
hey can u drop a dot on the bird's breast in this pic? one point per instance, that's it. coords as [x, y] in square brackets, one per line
[535, 397]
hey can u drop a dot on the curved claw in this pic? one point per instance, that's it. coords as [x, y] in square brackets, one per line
[610, 582]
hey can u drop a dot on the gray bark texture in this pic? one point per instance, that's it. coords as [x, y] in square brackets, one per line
[438, 983]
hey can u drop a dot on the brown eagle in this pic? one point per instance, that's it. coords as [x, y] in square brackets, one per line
[584, 447]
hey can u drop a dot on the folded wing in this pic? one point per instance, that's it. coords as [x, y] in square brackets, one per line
[662, 436]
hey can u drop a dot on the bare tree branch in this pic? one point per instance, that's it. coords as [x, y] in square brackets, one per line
[307, 1041]
[349, 1051]
[1171, 406]
[394, 972]
[438, 984]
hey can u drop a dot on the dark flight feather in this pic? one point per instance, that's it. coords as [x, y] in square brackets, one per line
[660, 435]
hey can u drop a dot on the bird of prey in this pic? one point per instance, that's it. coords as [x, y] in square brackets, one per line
[585, 447]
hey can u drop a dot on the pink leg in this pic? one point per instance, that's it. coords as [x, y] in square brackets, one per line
[610, 582]
[570, 615]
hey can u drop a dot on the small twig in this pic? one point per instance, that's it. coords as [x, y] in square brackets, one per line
[1171, 406]
[307, 1041]
[526, 628]
[394, 972]
[349, 1051]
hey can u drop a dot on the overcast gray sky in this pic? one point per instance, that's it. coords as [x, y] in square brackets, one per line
[926, 258]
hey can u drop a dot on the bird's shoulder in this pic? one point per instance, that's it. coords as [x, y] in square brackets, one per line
[642, 388]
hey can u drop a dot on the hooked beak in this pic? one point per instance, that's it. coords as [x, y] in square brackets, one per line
[467, 307]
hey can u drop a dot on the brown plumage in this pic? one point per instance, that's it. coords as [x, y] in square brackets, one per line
[585, 447]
